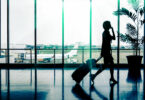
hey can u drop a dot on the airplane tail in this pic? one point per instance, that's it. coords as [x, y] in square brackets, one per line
[76, 46]
[73, 52]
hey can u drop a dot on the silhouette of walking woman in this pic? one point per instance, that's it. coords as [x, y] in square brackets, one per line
[106, 51]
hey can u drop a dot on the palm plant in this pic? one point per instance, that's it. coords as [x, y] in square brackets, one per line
[132, 35]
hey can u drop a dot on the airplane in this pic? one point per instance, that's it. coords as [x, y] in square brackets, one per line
[70, 54]
[2, 55]
[47, 57]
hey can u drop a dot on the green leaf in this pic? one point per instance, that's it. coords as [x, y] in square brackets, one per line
[131, 30]
[126, 12]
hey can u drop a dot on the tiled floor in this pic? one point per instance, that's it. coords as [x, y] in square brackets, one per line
[51, 85]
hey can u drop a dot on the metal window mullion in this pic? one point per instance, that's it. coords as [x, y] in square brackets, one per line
[118, 29]
[90, 29]
[62, 49]
[144, 41]
[8, 42]
[35, 29]
[0, 29]
[118, 48]
[62, 31]
[144, 53]
[90, 41]
[8, 48]
[35, 44]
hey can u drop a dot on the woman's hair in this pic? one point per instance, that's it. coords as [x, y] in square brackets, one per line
[106, 25]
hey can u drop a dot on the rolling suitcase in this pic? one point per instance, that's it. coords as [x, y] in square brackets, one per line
[82, 71]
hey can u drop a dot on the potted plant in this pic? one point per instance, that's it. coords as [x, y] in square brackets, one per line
[132, 35]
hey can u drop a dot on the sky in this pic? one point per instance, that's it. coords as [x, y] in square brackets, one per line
[49, 21]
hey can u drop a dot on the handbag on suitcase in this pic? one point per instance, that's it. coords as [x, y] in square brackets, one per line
[83, 70]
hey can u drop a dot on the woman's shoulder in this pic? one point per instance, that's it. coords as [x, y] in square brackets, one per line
[106, 34]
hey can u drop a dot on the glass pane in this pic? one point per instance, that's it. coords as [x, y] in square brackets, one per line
[21, 29]
[49, 38]
[99, 16]
[130, 5]
[3, 31]
[76, 28]
[103, 11]
[76, 39]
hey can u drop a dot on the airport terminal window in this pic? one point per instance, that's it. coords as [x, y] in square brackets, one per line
[49, 30]
[21, 27]
[99, 15]
[3, 31]
[76, 29]
[124, 20]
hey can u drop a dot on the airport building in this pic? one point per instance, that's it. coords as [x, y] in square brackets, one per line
[72, 49]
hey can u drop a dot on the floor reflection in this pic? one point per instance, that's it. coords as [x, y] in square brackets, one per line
[134, 75]
[112, 91]
[0, 85]
[80, 93]
[93, 88]
[57, 84]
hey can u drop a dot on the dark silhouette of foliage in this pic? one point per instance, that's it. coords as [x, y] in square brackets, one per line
[132, 35]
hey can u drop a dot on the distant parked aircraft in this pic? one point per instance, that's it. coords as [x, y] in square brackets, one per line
[48, 57]
[2, 54]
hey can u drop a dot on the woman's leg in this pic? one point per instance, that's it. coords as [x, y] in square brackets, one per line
[93, 76]
[112, 72]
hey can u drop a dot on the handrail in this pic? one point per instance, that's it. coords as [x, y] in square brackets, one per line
[54, 51]
[66, 49]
